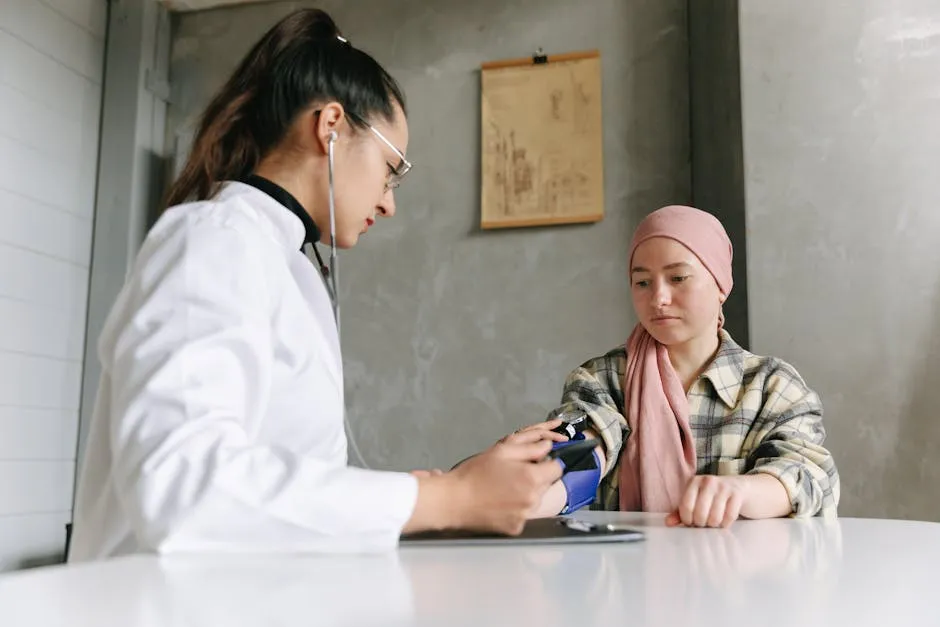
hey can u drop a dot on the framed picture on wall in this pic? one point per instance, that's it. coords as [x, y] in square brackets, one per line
[542, 141]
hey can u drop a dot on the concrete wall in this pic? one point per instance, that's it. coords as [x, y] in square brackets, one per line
[453, 336]
[841, 111]
[51, 73]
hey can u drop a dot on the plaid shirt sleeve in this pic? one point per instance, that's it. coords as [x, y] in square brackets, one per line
[595, 389]
[788, 435]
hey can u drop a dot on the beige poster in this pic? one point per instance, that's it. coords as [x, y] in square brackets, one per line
[542, 141]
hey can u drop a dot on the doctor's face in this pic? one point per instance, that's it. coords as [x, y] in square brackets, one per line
[366, 174]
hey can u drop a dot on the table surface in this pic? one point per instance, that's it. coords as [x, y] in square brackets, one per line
[777, 572]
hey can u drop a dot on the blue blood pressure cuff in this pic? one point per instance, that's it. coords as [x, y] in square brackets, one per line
[581, 474]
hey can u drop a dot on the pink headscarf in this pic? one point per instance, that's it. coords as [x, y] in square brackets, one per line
[658, 458]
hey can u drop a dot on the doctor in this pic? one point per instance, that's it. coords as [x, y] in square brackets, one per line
[219, 418]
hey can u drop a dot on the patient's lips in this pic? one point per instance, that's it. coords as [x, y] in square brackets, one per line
[664, 318]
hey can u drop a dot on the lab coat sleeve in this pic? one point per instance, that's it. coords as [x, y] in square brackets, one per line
[191, 369]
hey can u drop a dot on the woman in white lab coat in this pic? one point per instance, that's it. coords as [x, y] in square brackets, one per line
[219, 417]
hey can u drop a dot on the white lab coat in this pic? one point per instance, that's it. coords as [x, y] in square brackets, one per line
[219, 417]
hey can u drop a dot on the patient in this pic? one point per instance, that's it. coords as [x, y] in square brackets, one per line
[692, 425]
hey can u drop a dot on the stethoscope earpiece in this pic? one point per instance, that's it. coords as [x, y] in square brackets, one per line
[333, 281]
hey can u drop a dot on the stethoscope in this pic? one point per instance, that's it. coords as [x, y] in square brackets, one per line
[329, 275]
[334, 294]
[330, 279]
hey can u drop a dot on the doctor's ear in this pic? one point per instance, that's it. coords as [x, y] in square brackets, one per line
[327, 122]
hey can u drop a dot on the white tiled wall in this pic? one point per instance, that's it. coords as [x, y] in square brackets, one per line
[51, 66]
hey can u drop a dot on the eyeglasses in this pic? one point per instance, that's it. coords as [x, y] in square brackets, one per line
[395, 172]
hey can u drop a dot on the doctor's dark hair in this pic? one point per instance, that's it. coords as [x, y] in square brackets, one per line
[302, 61]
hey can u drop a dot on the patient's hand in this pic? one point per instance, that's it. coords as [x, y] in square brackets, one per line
[710, 501]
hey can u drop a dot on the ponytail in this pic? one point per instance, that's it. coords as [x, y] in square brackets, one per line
[301, 60]
[224, 148]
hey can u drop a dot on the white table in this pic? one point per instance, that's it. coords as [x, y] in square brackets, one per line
[779, 572]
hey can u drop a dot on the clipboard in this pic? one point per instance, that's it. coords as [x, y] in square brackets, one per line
[553, 530]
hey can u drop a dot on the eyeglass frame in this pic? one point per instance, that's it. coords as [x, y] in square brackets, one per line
[397, 173]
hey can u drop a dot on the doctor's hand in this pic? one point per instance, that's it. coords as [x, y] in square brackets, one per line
[525, 435]
[540, 430]
[427, 473]
[492, 491]
[497, 489]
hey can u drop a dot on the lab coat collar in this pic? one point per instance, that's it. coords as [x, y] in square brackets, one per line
[289, 202]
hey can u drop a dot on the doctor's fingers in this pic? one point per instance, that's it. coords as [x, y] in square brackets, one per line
[421, 474]
[539, 474]
[528, 481]
[547, 472]
[535, 435]
[546, 425]
[531, 451]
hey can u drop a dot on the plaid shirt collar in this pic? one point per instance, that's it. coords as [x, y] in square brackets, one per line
[726, 372]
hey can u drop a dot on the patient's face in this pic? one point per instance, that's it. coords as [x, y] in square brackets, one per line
[674, 295]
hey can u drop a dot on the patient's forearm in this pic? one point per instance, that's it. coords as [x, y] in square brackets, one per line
[765, 497]
[552, 502]
[554, 499]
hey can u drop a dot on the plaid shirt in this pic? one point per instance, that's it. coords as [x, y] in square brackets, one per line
[747, 413]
